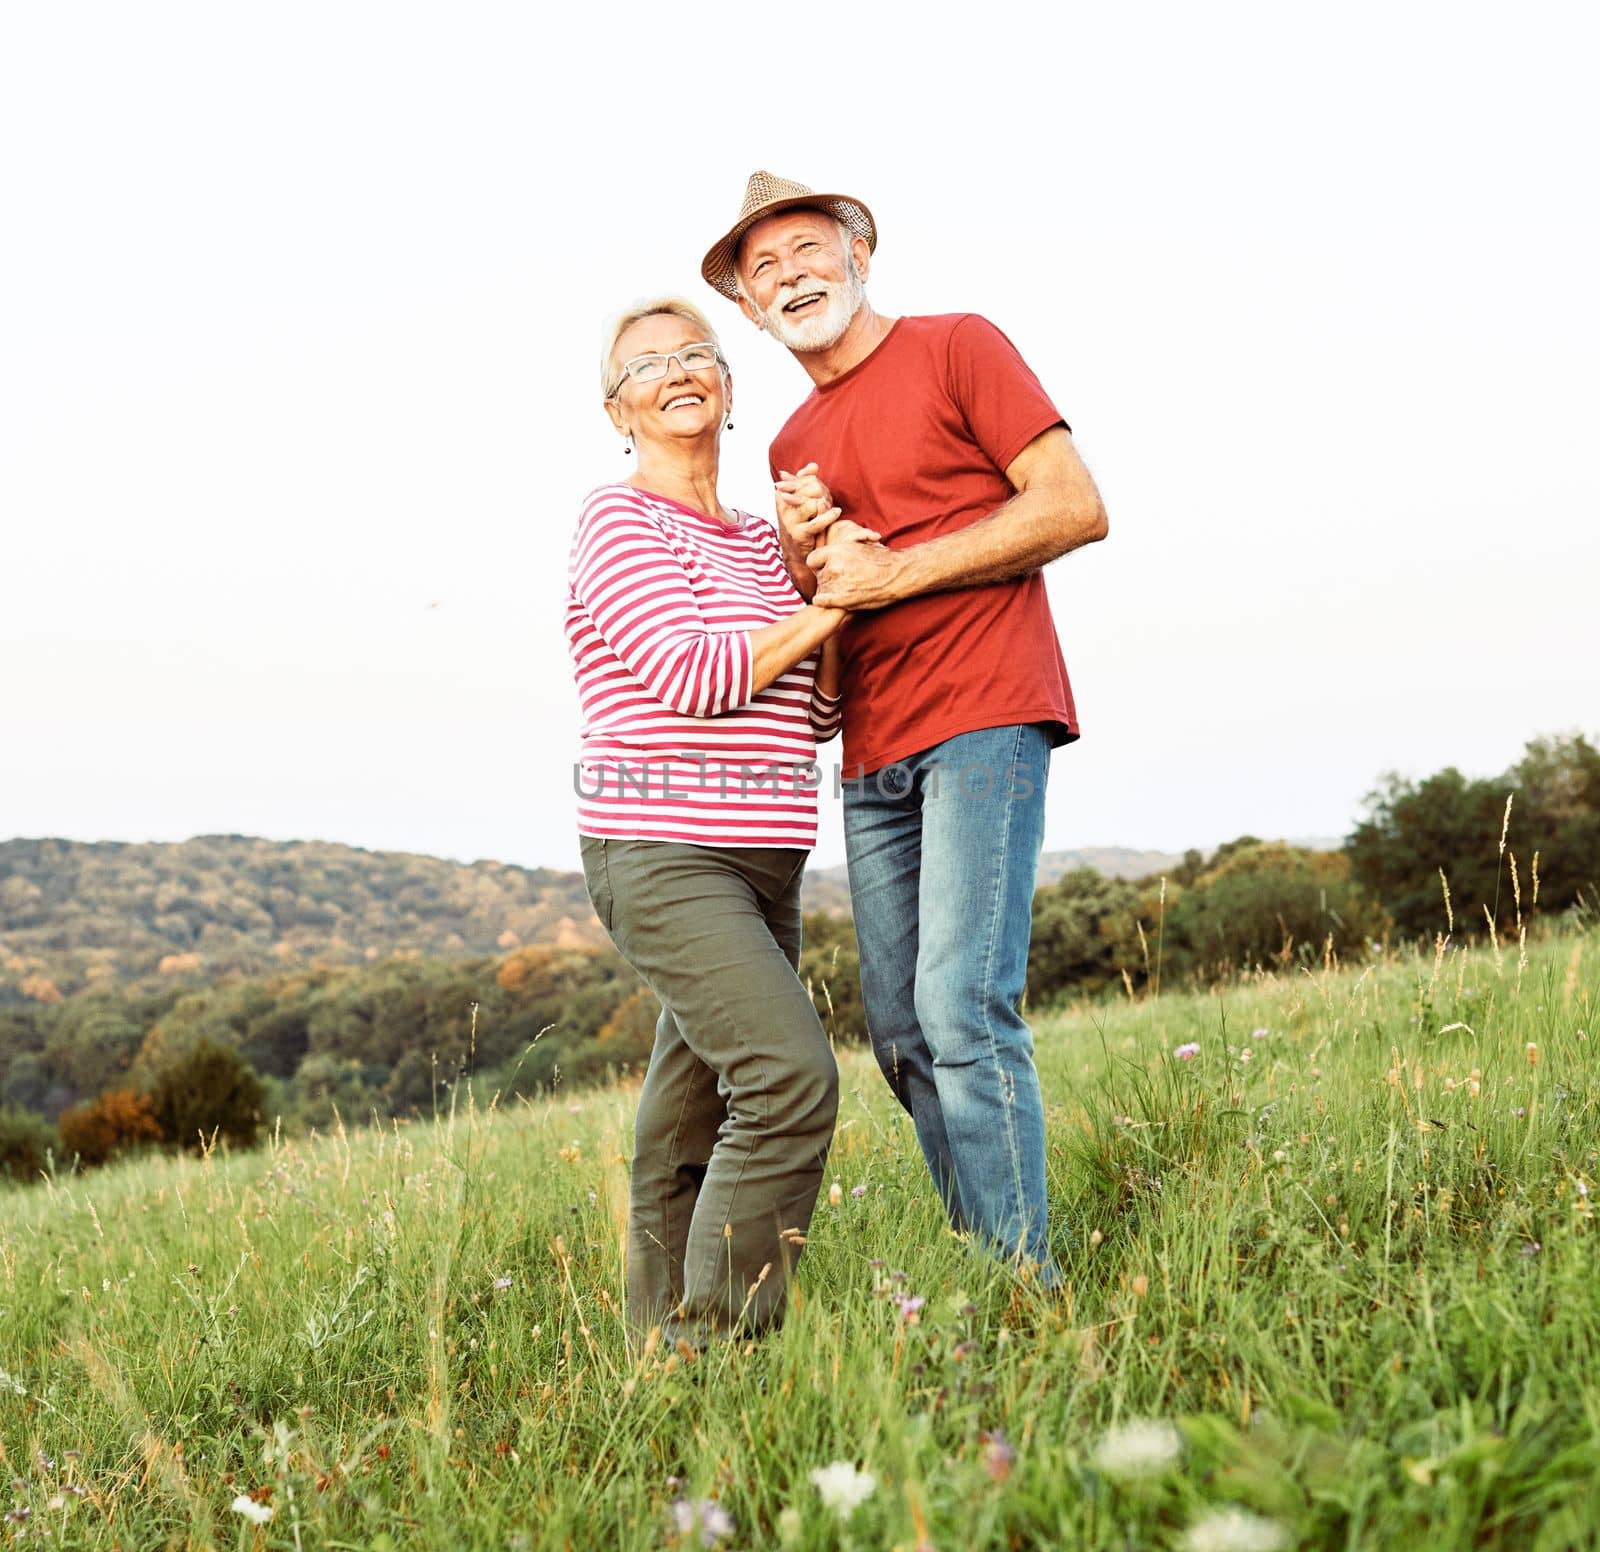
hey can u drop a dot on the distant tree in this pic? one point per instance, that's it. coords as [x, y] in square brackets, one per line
[325, 1084]
[410, 1086]
[25, 1144]
[1269, 904]
[1557, 783]
[630, 1032]
[93, 1041]
[208, 1089]
[275, 1041]
[1414, 829]
[830, 969]
[24, 1082]
[116, 1121]
[624, 1041]
[1078, 923]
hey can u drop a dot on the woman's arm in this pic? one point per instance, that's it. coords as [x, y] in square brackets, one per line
[779, 646]
[826, 710]
[633, 586]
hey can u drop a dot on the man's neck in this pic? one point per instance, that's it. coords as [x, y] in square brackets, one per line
[867, 331]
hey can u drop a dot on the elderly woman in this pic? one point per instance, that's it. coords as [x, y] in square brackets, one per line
[697, 666]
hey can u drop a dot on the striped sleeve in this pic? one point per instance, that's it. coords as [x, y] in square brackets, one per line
[626, 574]
[826, 713]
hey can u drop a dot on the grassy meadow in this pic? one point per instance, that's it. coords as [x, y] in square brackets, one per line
[1333, 1282]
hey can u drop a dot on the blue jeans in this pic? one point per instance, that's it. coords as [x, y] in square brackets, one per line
[943, 847]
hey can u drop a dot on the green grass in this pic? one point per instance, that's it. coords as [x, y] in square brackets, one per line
[1360, 1282]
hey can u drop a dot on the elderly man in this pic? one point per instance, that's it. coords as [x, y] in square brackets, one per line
[932, 433]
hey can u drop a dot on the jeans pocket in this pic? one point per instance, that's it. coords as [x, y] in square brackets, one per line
[597, 879]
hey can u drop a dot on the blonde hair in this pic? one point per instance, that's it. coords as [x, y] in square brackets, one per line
[673, 306]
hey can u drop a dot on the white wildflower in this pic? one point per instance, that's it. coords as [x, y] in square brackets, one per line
[842, 1487]
[1142, 1448]
[1235, 1530]
[256, 1513]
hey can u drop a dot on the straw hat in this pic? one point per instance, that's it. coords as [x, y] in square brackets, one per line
[766, 195]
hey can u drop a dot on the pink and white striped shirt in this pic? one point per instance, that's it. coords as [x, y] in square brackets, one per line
[661, 601]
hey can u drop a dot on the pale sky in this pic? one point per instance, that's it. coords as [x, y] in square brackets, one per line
[299, 314]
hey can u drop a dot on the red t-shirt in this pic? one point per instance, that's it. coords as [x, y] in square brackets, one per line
[914, 442]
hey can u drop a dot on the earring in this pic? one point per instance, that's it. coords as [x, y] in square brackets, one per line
[729, 425]
[627, 443]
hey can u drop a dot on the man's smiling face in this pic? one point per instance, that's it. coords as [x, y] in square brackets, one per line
[799, 279]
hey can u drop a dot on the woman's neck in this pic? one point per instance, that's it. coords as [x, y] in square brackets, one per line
[689, 478]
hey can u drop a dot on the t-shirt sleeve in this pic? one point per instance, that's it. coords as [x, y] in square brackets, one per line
[633, 585]
[1003, 402]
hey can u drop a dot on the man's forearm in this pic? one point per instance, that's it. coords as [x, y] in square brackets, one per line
[1056, 509]
[1024, 535]
[803, 577]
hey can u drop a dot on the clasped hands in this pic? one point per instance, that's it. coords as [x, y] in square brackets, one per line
[852, 567]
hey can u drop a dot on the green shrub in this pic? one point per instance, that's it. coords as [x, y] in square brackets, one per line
[26, 1143]
[209, 1090]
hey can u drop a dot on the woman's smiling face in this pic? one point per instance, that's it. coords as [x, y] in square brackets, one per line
[681, 403]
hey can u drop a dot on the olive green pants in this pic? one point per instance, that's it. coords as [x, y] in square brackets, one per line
[738, 1103]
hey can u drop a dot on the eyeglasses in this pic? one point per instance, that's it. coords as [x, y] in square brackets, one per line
[699, 357]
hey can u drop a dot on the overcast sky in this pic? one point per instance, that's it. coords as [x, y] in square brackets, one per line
[299, 313]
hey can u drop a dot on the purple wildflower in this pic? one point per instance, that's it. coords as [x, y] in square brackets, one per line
[714, 1522]
[998, 1455]
[858, 1191]
[907, 1305]
[1188, 1051]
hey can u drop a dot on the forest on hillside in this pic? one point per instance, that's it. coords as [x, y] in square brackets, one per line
[296, 1006]
[76, 915]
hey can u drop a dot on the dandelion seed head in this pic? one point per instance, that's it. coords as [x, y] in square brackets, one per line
[1234, 1530]
[842, 1488]
[256, 1513]
[1142, 1448]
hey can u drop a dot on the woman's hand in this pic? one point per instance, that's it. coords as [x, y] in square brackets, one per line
[805, 514]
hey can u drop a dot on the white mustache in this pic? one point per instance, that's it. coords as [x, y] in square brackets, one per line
[793, 293]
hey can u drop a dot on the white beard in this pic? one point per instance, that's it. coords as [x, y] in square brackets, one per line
[816, 330]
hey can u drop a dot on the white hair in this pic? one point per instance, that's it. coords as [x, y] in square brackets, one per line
[653, 307]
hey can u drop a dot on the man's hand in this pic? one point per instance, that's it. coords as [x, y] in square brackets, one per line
[805, 514]
[854, 569]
